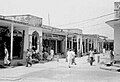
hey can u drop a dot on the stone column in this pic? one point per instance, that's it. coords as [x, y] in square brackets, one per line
[85, 45]
[94, 44]
[65, 44]
[88, 44]
[11, 47]
[72, 43]
[40, 44]
[77, 45]
[91, 43]
[30, 41]
[81, 45]
[69, 43]
[97, 44]
[98, 47]
[56, 46]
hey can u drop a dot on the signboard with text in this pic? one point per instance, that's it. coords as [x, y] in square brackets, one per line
[117, 9]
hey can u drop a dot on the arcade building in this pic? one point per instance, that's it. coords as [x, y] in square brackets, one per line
[22, 32]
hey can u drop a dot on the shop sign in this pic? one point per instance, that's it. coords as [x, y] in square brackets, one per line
[117, 9]
[56, 30]
[52, 36]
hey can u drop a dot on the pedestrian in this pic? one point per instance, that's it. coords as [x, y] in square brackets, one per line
[111, 56]
[33, 52]
[91, 56]
[6, 61]
[45, 55]
[69, 58]
[52, 53]
[73, 57]
[104, 51]
[28, 58]
[66, 55]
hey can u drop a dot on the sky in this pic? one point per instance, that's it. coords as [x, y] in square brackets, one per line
[66, 13]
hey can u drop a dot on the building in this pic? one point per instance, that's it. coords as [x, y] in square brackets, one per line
[115, 24]
[54, 38]
[92, 41]
[19, 33]
[74, 40]
[22, 32]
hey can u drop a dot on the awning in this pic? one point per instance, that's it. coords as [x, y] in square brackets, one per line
[114, 23]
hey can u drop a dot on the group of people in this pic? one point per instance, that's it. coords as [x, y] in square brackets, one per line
[71, 57]
[48, 55]
[31, 54]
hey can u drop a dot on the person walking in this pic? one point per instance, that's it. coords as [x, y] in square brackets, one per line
[73, 57]
[28, 58]
[111, 57]
[69, 58]
[91, 56]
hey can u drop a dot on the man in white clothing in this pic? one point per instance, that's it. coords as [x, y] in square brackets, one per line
[52, 53]
[91, 56]
[69, 57]
[6, 61]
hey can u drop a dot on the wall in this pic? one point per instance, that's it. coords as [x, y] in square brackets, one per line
[117, 42]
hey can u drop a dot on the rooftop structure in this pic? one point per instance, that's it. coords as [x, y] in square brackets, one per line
[24, 19]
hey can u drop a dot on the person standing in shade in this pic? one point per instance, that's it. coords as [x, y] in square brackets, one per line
[28, 58]
[6, 61]
[52, 53]
[69, 58]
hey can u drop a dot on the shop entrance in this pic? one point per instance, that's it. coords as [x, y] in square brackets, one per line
[4, 39]
[18, 42]
[75, 47]
[59, 45]
[47, 44]
[35, 36]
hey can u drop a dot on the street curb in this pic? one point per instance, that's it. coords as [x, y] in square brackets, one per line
[110, 68]
[10, 79]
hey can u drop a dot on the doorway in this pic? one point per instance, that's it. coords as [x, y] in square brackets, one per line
[18, 44]
[35, 37]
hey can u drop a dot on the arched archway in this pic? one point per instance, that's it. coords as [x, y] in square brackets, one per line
[35, 38]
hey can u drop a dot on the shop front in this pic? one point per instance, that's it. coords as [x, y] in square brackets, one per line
[14, 34]
[53, 41]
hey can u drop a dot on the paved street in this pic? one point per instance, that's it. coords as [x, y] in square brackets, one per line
[59, 72]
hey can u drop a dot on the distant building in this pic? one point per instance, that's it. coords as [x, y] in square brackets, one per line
[74, 40]
[93, 41]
